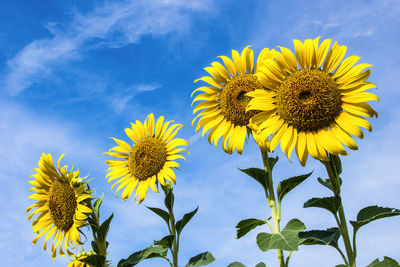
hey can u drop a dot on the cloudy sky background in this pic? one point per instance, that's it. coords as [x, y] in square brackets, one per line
[73, 74]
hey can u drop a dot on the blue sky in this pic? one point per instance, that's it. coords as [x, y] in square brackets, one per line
[74, 73]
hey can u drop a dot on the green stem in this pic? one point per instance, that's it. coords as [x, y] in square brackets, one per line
[172, 231]
[342, 223]
[272, 203]
[101, 244]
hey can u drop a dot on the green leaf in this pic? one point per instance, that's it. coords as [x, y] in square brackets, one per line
[202, 259]
[104, 227]
[329, 203]
[97, 204]
[320, 237]
[185, 219]
[287, 185]
[147, 253]
[169, 199]
[257, 174]
[245, 226]
[261, 264]
[386, 262]
[236, 264]
[94, 260]
[287, 239]
[335, 161]
[272, 161]
[166, 241]
[372, 213]
[160, 212]
[95, 247]
[327, 183]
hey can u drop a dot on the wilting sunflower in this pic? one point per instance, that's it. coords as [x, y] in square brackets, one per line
[224, 99]
[59, 204]
[149, 160]
[315, 107]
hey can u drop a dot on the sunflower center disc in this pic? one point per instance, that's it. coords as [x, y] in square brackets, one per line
[309, 100]
[233, 100]
[147, 158]
[62, 204]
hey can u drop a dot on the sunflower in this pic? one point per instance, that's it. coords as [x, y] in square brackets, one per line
[149, 160]
[75, 262]
[224, 99]
[316, 107]
[59, 204]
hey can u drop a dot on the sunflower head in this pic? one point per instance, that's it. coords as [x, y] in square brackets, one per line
[315, 100]
[60, 196]
[75, 261]
[149, 160]
[224, 99]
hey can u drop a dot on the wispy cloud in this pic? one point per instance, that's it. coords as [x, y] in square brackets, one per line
[112, 25]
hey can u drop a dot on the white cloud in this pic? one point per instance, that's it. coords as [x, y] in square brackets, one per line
[147, 87]
[112, 25]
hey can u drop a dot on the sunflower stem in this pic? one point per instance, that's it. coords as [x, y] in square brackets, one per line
[272, 203]
[101, 244]
[342, 223]
[172, 231]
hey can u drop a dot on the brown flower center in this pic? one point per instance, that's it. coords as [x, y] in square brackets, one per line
[147, 158]
[62, 204]
[309, 100]
[233, 99]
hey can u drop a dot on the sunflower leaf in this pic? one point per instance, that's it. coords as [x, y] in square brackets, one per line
[257, 174]
[329, 203]
[272, 161]
[160, 212]
[245, 226]
[287, 185]
[202, 259]
[94, 260]
[372, 213]
[169, 198]
[287, 239]
[97, 204]
[335, 161]
[261, 264]
[320, 237]
[104, 227]
[95, 247]
[147, 253]
[166, 241]
[386, 262]
[185, 219]
[236, 264]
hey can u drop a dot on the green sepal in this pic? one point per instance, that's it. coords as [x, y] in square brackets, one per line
[104, 227]
[185, 219]
[329, 203]
[97, 204]
[202, 259]
[160, 212]
[320, 237]
[287, 185]
[94, 260]
[147, 253]
[287, 239]
[386, 262]
[166, 241]
[261, 264]
[372, 213]
[236, 264]
[259, 175]
[245, 226]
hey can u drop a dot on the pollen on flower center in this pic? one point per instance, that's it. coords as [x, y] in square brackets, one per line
[233, 99]
[147, 158]
[62, 204]
[309, 100]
